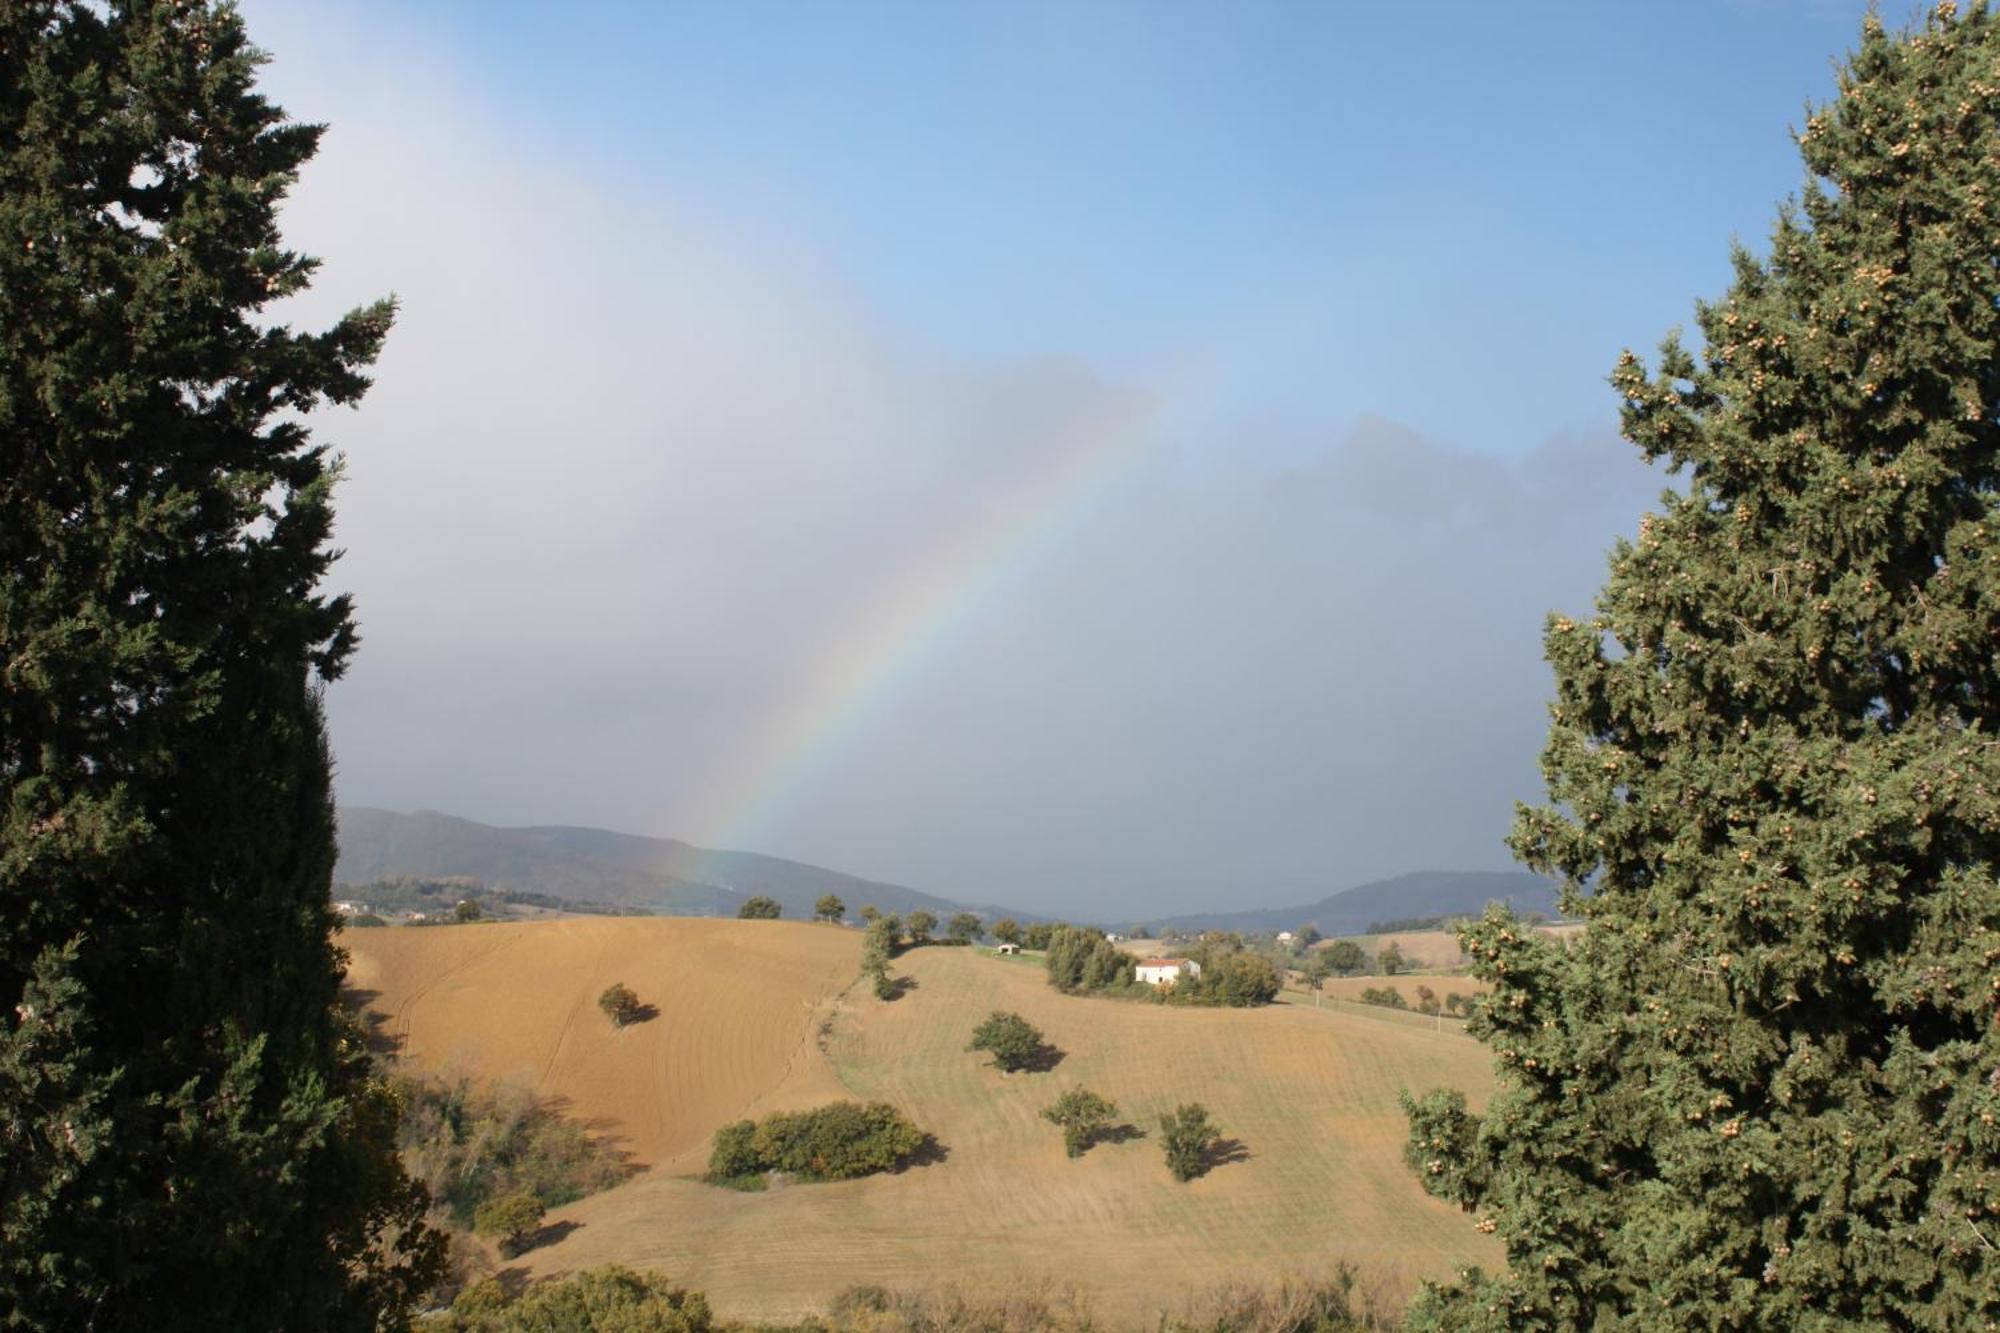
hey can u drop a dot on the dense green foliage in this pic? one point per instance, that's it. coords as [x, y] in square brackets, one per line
[1080, 961]
[1007, 930]
[189, 1131]
[921, 924]
[829, 908]
[1762, 1090]
[835, 1142]
[1344, 958]
[1188, 1138]
[1084, 1117]
[1386, 996]
[1389, 959]
[759, 908]
[620, 1004]
[469, 1143]
[599, 1300]
[1237, 980]
[1012, 1041]
[510, 1218]
[965, 927]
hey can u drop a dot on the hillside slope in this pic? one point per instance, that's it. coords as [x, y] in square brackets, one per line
[733, 1035]
[1310, 1095]
[659, 874]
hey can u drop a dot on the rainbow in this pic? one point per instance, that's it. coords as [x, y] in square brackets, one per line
[847, 677]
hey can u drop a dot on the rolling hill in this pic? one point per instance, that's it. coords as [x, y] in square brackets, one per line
[1419, 894]
[660, 875]
[756, 1016]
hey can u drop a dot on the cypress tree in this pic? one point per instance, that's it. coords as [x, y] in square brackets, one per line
[189, 1134]
[1763, 1090]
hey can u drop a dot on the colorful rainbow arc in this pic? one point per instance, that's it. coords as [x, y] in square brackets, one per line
[857, 669]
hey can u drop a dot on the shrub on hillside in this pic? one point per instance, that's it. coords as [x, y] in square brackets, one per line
[1188, 1138]
[510, 1218]
[467, 1143]
[620, 1005]
[1012, 1041]
[1084, 1117]
[759, 908]
[921, 925]
[601, 1300]
[1386, 996]
[834, 1142]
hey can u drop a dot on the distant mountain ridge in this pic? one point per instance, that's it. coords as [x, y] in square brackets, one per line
[662, 875]
[1418, 894]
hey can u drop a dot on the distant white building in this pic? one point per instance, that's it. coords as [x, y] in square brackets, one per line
[1007, 948]
[1161, 971]
[1285, 937]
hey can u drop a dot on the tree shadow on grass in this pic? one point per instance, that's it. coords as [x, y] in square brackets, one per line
[545, 1235]
[603, 1135]
[929, 1153]
[899, 987]
[1045, 1058]
[644, 1013]
[1124, 1133]
[1222, 1152]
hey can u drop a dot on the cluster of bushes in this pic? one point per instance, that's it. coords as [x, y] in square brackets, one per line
[600, 1300]
[618, 1300]
[470, 1144]
[1427, 1000]
[1236, 980]
[834, 1142]
[1082, 961]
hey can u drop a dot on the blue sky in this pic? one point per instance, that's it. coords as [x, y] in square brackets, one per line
[724, 325]
[1452, 214]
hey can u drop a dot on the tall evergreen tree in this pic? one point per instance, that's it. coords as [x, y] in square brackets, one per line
[1763, 1090]
[189, 1135]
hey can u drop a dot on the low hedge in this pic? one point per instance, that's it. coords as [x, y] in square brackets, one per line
[834, 1142]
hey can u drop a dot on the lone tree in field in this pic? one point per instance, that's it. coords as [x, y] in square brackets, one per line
[510, 1219]
[1345, 958]
[1389, 961]
[1188, 1138]
[190, 1135]
[759, 908]
[1762, 1089]
[1012, 1041]
[620, 1005]
[1007, 930]
[829, 908]
[964, 927]
[921, 924]
[1084, 1117]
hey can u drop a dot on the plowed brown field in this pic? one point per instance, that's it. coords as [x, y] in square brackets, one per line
[733, 1036]
[1309, 1095]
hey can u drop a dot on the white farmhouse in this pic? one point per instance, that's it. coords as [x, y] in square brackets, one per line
[1285, 937]
[1161, 971]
